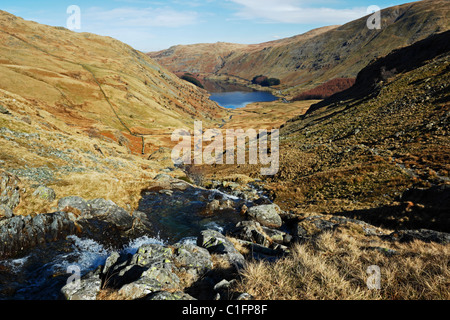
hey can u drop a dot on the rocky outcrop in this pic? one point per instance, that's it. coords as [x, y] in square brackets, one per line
[99, 219]
[217, 243]
[23, 232]
[267, 215]
[153, 273]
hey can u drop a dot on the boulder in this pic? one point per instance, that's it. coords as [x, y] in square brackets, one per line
[267, 215]
[5, 212]
[75, 205]
[217, 243]
[108, 211]
[251, 231]
[154, 268]
[150, 255]
[22, 232]
[167, 279]
[86, 289]
[45, 193]
[312, 226]
[140, 288]
[193, 259]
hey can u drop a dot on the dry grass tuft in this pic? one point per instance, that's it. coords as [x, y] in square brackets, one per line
[334, 267]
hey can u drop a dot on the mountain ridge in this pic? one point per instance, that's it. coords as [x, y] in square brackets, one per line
[340, 52]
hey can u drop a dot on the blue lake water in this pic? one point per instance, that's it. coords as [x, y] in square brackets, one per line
[239, 99]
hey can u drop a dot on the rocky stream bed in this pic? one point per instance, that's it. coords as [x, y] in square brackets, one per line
[166, 250]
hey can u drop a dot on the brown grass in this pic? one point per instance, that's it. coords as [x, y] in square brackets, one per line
[326, 90]
[334, 267]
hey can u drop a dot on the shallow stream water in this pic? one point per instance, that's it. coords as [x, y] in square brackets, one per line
[40, 273]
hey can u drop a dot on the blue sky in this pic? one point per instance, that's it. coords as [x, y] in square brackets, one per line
[159, 24]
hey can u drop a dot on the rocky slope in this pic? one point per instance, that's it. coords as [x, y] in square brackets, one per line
[306, 61]
[82, 113]
[378, 151]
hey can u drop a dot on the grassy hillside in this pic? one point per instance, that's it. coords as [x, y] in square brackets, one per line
[364, 154]
[306, 61]
[82, 113]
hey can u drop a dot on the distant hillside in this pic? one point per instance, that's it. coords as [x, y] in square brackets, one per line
[93, 81]
[77, 111]
[308, 60]
[379, 151]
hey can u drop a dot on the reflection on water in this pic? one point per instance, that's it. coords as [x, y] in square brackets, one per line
[183, 214]
[235, 96]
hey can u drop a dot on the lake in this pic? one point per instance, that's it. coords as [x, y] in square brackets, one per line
[235, 96]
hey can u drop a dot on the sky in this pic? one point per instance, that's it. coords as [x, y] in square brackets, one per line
[159, 24]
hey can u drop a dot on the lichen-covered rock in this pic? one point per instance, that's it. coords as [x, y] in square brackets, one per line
[192, 258]
[140, 288]
[45, 193]
[267, 215]
[217, 243]
[86, 289]
[150, 255]
[165, 276]
[165, 295]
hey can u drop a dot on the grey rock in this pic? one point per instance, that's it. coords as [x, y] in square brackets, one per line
[108, 211]
[245, 296]
[110, 262]
[251, 231]
[189, 257]
[140, 288]
[23, 232]
[150, 255]
[5, 212]
[267, 215]
[162, 177]
[45, 193]
[74, 204]
[165, 276]
[217, 243]
[87, 289]
[223, 285]
[164, 295]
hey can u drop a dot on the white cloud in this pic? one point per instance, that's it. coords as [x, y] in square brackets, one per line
[140, 17]
[295, 11]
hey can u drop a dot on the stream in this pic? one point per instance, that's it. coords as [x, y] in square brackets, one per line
[176, 216]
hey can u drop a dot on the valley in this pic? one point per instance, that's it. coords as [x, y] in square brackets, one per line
[88, 180]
